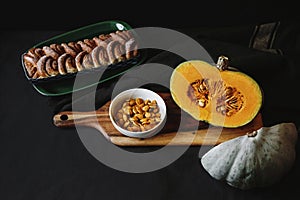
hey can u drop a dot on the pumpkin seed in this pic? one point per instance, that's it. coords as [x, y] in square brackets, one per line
[228, 99]
[138, 114]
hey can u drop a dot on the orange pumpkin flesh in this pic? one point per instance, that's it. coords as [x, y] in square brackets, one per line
[221, 98]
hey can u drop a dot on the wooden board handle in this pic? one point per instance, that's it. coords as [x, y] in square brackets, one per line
[68, 118]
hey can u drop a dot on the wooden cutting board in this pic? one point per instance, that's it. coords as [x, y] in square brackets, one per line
[188, 134]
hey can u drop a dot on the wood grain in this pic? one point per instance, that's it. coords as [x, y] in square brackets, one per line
[191, 132]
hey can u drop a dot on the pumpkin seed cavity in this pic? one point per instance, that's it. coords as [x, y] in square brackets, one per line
[228, 99]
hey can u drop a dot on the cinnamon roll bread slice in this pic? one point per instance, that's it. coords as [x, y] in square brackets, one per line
[87, 45]
[51, 52]
[87, 61]
[58, 48]
[126, 34]
[79, 60]
[66, 64]
[30, 65]
[118, 37]
[115, 51]
[71, 48]
[30, 60]
[105, 37]
[100, 56]
[102, 40]
[131, 48]
[51, 66]
[41, 66]
[131, 45]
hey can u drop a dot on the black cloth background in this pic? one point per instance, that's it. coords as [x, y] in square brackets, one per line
[41, 161]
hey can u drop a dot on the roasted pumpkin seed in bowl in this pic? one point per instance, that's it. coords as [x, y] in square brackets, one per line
[138, 113]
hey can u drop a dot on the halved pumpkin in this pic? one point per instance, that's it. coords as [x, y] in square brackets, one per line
[216, 95]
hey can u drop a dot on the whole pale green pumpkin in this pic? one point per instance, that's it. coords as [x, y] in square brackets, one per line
[258, 159]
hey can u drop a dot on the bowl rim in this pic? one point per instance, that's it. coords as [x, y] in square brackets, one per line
[138, 133]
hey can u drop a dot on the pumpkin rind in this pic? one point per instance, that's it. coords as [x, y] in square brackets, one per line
[211, 110]
[258, 161]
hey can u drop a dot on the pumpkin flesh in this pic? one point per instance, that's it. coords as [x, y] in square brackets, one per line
[221, 98]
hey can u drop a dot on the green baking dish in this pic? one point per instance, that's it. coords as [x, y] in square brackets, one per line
[62, 85]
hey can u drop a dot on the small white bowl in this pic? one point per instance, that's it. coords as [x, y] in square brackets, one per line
[117, 102]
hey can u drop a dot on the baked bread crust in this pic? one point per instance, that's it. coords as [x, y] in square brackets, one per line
[75, 56]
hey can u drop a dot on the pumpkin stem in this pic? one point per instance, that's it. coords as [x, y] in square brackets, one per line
[252, 134]
[223, 63]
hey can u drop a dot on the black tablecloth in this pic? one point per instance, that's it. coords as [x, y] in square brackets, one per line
[42, 161]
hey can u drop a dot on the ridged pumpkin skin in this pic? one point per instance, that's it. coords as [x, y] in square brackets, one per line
[258, 159]
[226, 98]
